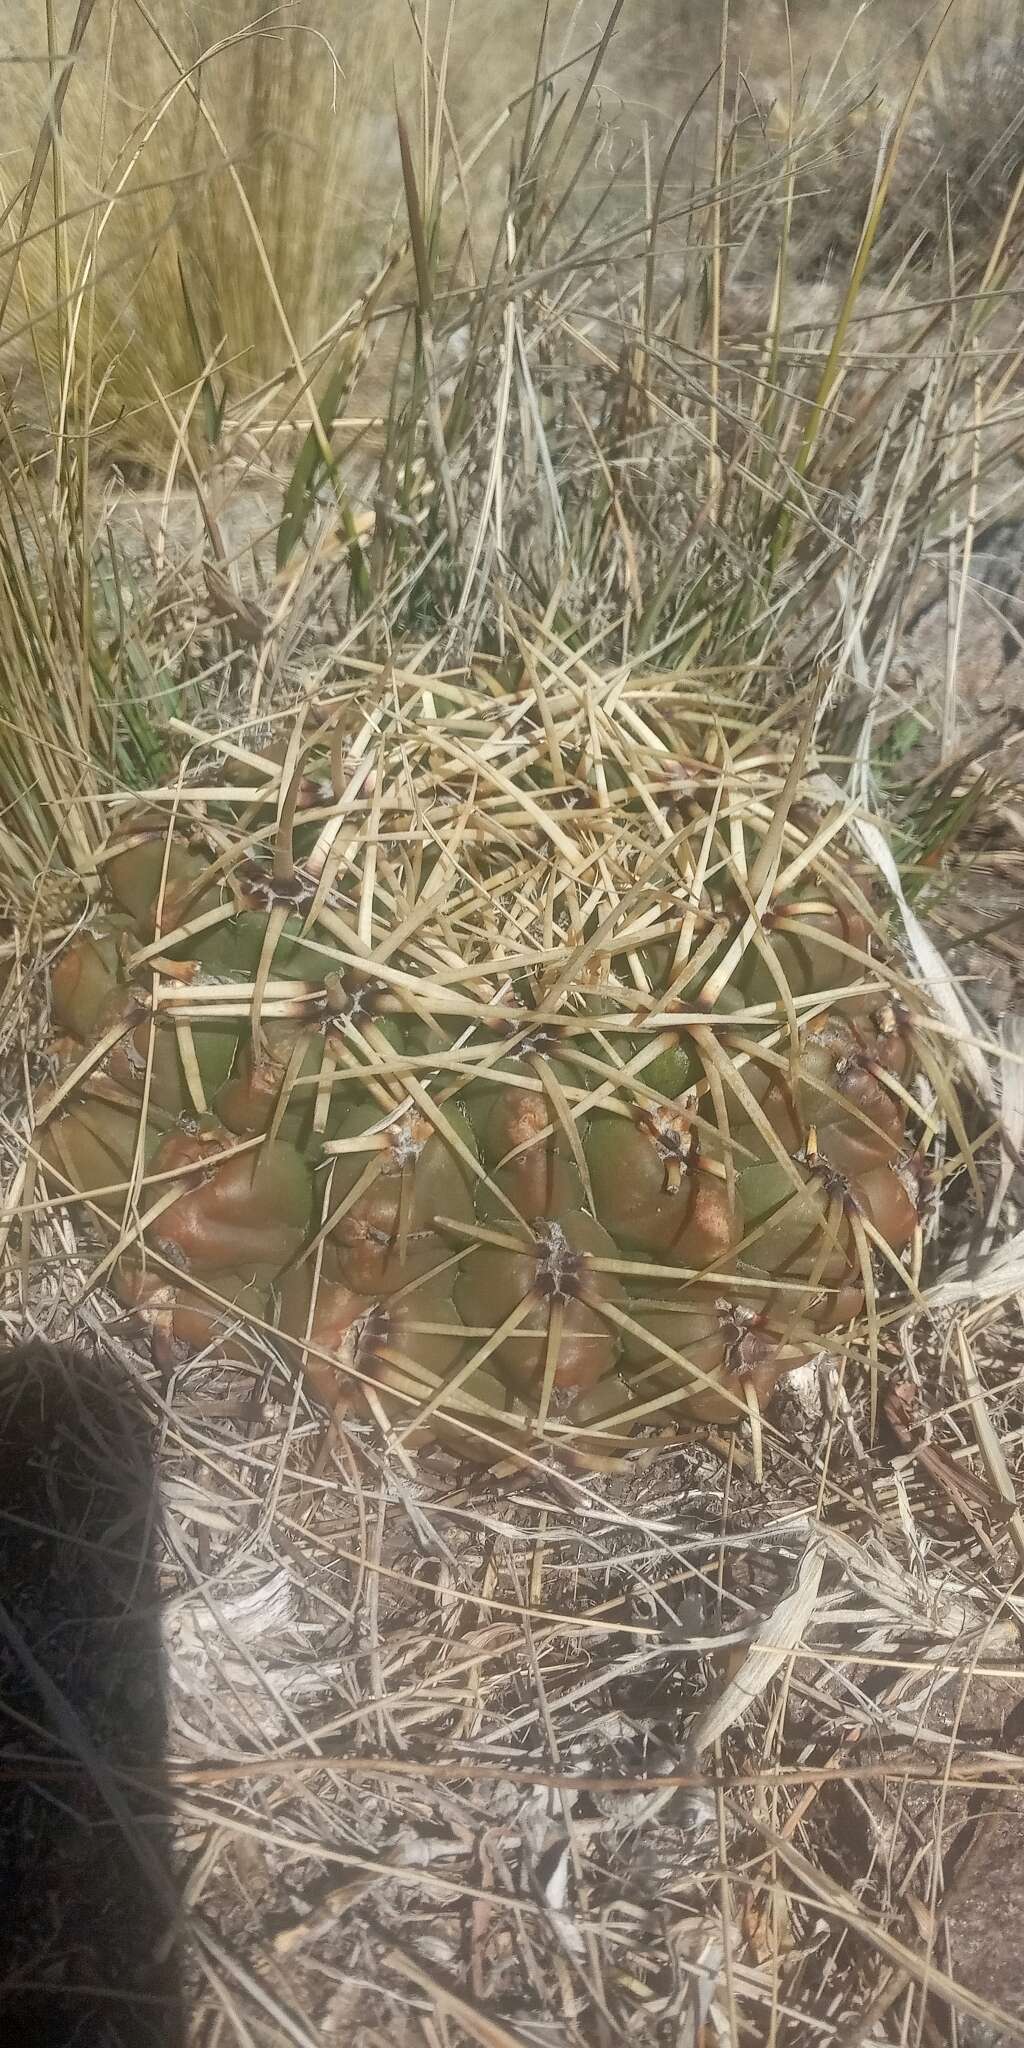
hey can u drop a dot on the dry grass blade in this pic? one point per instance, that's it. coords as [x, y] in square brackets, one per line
[490, 2033]
[777, 1640]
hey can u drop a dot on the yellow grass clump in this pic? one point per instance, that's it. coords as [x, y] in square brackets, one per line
[196, 195]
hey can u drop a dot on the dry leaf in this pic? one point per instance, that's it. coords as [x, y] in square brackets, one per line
[778, 1635]
[939, 983]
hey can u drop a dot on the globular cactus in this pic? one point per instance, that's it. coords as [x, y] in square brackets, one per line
[523, 1058]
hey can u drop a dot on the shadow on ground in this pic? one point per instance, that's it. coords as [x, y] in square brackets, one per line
[87, 1903]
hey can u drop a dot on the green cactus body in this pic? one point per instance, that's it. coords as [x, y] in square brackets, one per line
[416, 1097]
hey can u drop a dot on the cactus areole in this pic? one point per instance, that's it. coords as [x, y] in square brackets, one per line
[523, 1061]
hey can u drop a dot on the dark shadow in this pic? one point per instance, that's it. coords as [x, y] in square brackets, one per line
[87, 1900]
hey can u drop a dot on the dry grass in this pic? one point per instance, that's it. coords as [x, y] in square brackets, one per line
[204, 203]
[722, 1750]
[219, 192]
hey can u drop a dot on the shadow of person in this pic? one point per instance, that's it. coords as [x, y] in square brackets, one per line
[87, 1900]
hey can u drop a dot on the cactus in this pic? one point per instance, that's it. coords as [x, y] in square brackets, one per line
[524, 1061]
